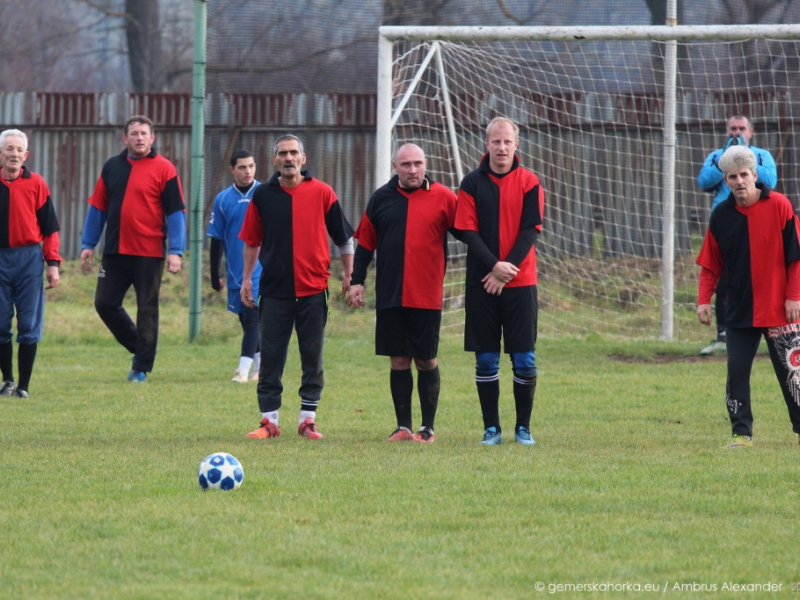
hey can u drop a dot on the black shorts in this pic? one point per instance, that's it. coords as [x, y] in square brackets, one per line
[514, 314]
[407, 332]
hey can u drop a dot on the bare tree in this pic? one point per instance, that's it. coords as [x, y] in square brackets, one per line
[144, 45]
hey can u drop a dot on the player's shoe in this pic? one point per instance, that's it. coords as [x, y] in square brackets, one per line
[22, 393]
[308, 429]
[137, 376]
[425, 436]
[522, 435]
[240, 376]
[8, 388]
[266, 430]
[714, 346]
[740, 441]
[401, 434]
[253, 375]
[492, 437]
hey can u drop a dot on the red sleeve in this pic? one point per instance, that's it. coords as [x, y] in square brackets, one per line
[252, 233]
[706, 286]
[366, 235]
[793, 280]
[50, 247]
[466, 215]
[99, 198]
[710, 256]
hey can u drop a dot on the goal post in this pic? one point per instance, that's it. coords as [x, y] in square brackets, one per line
[616, 122]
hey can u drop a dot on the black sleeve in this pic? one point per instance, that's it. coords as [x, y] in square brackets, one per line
[215, 253]
[47, 219]
[522, 246]
[478, 248]
[336, 223]
[360, 264]
[172, 197]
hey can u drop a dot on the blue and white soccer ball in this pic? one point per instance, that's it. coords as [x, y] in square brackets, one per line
[220, 471]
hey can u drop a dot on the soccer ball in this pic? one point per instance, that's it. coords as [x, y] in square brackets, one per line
[220, 471]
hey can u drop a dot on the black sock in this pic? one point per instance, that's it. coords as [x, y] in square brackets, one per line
[26, 357]
[428, 385]
[489, 395]
[524, 390]
[7, 361]
[401, 384]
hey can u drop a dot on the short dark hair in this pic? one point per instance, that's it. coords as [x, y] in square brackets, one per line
[737, 117]
[237, 154]
[139, 119]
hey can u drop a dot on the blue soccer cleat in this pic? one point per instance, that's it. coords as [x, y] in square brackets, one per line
[492, 437]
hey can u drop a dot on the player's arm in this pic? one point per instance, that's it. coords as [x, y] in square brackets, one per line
[176, 231]
[710, 174]
[92, 229]
[346, 253]
[215, 252]
[705, 289]
[767, 169]
[250, 256]
[361, 261]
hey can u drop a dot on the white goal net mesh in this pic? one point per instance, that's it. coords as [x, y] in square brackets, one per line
[591, 126]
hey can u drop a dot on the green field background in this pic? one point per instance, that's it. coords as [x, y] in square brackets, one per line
[628, 485]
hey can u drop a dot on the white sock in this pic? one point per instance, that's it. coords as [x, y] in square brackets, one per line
[305, 414]
[257, 361]
[272, 416]
[245, 362]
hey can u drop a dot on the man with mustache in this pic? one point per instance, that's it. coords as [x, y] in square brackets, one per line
[286, 229]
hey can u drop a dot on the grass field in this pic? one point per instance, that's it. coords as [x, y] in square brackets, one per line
[627, 486]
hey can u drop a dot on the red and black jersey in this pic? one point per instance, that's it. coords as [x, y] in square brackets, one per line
[292, 226]
[754, 245]
[408, 228]
[27, 215]
[137, 196]
[499, 208]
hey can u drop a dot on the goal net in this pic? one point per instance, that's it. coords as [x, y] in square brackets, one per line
[594, 127]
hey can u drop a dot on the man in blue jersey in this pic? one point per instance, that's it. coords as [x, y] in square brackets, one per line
[224, 226]
[711, 179]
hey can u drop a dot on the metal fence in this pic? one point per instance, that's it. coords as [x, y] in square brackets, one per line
[72, 135]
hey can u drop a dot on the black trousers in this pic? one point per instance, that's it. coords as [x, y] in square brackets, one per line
[784, 351]
[118, 272]
[279, 316]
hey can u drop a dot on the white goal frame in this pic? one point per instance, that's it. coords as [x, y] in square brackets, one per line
[387, 115]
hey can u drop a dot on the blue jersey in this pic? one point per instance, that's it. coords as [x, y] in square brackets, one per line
[711, 178]
[226, 220]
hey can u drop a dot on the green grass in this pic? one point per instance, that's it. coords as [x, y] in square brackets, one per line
[627, 484]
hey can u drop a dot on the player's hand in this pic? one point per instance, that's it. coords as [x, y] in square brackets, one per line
[492, 284]
[730, 142]
[217, 284]
[346, 286]
[174, 263]
[246, 294]
[52, 277]
[742, 141]
[355, 296]
[504, 271]
[704, 313]
[792, 310]
[87, 259]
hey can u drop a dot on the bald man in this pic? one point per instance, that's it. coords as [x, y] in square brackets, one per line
[406, 222]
